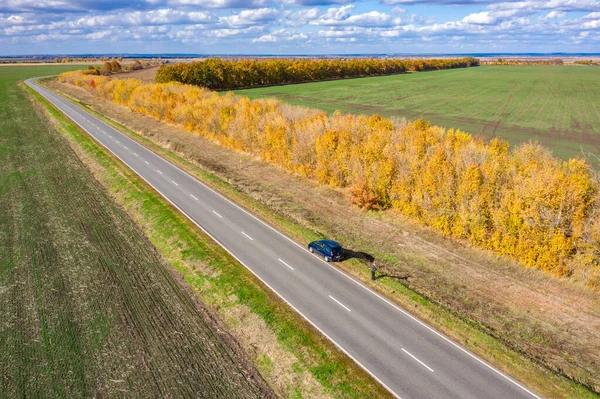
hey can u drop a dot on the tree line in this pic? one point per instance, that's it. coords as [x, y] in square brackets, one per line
[524, 202]
[220, 74]
[519, 61]
[114, 66]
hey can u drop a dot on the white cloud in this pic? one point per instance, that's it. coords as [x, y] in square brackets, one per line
[251, 17]
[558, 5]
[281, 35]
[335, 33]
[337, 14]
[342, 16]
[223, 33]
[140, 18]
[591, 24]
[99, 35]
[482, 18]
[302, 17]
[265, 39]
[221, 3]
[554, 14]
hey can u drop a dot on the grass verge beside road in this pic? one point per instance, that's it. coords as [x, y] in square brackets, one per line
[474, 336]
[293, 357]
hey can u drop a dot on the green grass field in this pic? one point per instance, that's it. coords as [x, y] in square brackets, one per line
[557, 106]
[88, 308]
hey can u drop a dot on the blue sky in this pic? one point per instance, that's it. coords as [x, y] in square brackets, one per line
[297, 26]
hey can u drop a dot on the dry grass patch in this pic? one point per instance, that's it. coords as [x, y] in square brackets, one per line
[283, 370]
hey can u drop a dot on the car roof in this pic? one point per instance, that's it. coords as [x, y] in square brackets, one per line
[331, 243]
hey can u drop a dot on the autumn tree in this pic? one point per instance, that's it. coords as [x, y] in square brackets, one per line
[115, 66]
[106, 68]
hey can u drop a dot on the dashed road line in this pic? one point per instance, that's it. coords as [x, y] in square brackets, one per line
[341, 304]
[250, 238]
[159, 171]
[413, 356]
[146, 162]
[215, 212]
[175, 183]
[135, 154]
[194, 197]
[286, 264]
[126, 147]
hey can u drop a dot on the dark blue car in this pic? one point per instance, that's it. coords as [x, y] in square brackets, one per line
[330, 250]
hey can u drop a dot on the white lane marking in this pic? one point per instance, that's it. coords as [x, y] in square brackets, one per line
[339, 303]
[413, 356]
[118, 142]
[215, 212]
[126, 147]
[110, 136]
[286, 264]
[159, 171]
[146, 162]
[175, 183]
[240, 261]
[251, 239]
[135, 154]
[194, 197]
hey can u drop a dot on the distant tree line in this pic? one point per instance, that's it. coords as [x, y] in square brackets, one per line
[586, 62]
[220, 74]
[513, 61]
[523, 203]
[113, 66]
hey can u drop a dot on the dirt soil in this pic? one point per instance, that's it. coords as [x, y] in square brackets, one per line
[554, 322]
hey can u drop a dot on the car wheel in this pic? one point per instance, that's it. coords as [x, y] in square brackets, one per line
[311, 249]
[327, 259]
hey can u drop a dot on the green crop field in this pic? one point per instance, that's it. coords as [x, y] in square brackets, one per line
[559, 106]
[88, 309]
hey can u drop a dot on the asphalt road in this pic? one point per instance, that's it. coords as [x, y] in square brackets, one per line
[411, 359]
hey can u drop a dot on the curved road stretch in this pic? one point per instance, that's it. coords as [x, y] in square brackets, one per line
[411, 359]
